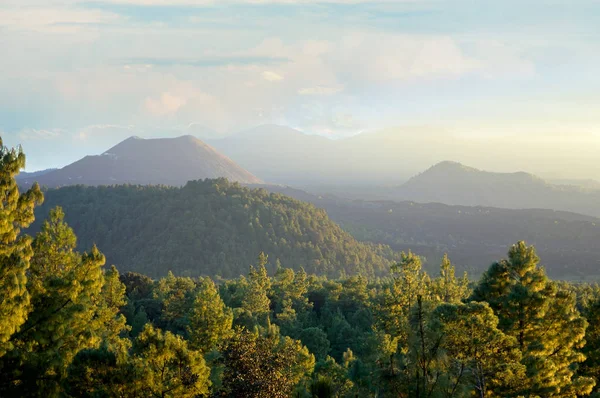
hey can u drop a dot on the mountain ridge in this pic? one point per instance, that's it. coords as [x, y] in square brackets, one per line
[156, 161]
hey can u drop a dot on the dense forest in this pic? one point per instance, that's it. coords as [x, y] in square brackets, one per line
[72, 327]
[473, 236]
[210, 227]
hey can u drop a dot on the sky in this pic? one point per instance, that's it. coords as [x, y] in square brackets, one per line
[76, 76]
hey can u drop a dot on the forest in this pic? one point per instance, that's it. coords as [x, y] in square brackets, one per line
[212, 227]
[70, 326]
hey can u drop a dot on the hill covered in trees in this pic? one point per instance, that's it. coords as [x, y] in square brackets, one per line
[210, 227]
[473, 236]
[70, 327]
[168, 161]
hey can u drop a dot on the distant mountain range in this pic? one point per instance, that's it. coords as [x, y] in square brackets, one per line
[283, 155]
[364, 167]
[455, 184]
[167, 161]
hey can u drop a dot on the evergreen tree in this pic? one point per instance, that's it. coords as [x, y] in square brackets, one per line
[16, 212]
[256, 300]
[543, 319]
[446, 287]
[71, 311]
[480, 360]
[164, 366]
[101, 372]
[210, 319]
[177, 297]
[591, 366]
[264, 366]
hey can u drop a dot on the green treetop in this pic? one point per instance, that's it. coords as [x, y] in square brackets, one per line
[210, 319]
[16, 212]
[543, 319]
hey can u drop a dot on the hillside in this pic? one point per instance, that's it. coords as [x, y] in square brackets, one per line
[209, 227]
[168, 161]
[473, 236]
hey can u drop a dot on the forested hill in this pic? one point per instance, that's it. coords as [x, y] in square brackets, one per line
[472, 236]
[210, 227]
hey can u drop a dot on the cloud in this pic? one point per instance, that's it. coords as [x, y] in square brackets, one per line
[165, 104]
[38, 134]
[59, 19]
[207, 62]
[319, 90]
[200, 3]
[271, 76]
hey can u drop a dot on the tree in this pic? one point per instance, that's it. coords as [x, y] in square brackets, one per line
[393, 309]
[591, 366]
[210, 319]
[16, 212]
[70, 311]
[177, 297]
[101, 372]
[396, 302]
[264, 366]
[164, 366]
[330, 379]
[447, 288]
[256, 300]
[543, 319]
[315, 339]
[480, 359]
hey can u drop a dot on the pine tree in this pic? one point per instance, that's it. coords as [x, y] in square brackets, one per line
[177, 297]
[256, 300]
[210, 319]
[480, 360]
[69, 312]
[447, 288]
[264, 365]
[542, 318]
[396, 302]
[164, 366]
[16, 212]
[591, 366]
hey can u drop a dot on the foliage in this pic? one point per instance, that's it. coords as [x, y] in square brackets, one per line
[16, 212]
[210, 227]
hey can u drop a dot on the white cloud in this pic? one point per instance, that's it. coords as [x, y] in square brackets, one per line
[319, 90]
[58, 20]
[271, 76]
[165, 104]
[38, 134]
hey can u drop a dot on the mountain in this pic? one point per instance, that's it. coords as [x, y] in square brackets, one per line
[584, 184]
[455, 184]
[473, 236]
[29, 177]
[168, 161]
[280, 154]
[283, 155]
[210, 227]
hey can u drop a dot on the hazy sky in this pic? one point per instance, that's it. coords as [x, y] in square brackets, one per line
[78, 76]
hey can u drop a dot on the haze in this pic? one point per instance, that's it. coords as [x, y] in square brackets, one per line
[511, 87]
